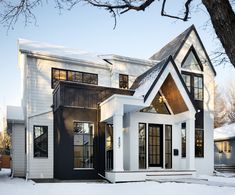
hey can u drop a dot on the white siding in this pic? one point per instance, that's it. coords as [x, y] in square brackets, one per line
[208, 76]
[18, 150]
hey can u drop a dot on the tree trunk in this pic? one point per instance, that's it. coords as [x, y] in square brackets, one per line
[223, 21]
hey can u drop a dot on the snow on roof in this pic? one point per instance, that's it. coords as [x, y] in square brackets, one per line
[56, 50]
[15, 113]
[142, 83]
[225, 132]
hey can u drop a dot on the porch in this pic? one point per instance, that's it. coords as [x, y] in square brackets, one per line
[146, 132]
[148, 175]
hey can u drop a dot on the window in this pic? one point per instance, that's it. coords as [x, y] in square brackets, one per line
[123, 81]
[199, 143]
[142, 145]
[168, 146]
[224, 147]
[109, 147]
[194, 83]
[83, 144]
[75, 76]
[58, 75]
[40, 138]
[198, 95]
[191, 61]
[183, 139]
[187, 80]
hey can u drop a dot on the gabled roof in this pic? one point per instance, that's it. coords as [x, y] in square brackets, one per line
[144, 84]
[173, 47]
[148, 76]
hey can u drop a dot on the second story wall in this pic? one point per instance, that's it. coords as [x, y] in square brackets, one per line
[37, 73]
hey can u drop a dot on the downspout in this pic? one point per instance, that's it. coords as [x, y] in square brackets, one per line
[27, 122]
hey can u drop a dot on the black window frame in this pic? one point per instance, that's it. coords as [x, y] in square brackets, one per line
[74, 74]
[168, 154]
[84, 146]
[123, 81]
[199, 150]
[192, 49]
[143, 153]
[34, 142]
[183, 140]
[192, 86]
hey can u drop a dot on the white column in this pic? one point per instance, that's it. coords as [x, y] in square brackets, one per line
[118, 142]
[190, 143]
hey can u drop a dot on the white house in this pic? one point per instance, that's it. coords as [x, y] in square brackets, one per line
[88, 116]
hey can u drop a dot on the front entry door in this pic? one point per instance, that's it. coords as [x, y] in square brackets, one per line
[155, 145]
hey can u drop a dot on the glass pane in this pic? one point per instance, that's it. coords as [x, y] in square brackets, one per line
[40, 141]
[78, 139]
[78, 127]
[83, 145]
[56, 74]
[62, 75]
[168, 146]
[191, 62]
[142, 146]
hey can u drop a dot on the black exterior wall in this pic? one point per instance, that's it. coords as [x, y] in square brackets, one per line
[79, 102]
[64, 140]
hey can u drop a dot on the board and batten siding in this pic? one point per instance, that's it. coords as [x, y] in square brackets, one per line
[18, 150]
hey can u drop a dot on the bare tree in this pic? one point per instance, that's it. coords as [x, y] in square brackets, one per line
[231, 103]
[221, 13]
[220, 109]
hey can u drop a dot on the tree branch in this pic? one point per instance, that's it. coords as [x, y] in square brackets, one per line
[186, 13]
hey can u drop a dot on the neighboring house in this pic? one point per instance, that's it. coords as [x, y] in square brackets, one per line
[224, 139]
[89, 116]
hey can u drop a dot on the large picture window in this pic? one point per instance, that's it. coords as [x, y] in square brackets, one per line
[40, 139]
[75, 76]
[123, 81]
[83, 144]
[199, 143]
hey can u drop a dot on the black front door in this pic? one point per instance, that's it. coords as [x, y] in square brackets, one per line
[155, 145]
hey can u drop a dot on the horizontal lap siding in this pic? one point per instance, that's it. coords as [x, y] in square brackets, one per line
[18, 150]
[39, 112]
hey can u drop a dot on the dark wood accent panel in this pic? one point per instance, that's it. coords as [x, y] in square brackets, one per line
[173, 96]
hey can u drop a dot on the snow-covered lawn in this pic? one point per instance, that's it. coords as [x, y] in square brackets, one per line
[18, 186]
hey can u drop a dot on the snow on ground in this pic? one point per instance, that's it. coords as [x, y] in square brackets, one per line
[18, 186]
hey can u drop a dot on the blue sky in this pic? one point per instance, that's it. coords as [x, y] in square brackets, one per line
[91, 29]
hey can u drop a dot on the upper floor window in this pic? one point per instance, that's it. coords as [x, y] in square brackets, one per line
[40, 139]
[191, 61]
[69, 75]
[194, 83]
[123, 81]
